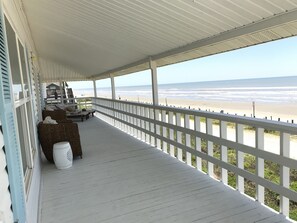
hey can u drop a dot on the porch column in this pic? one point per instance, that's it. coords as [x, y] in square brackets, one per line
[113, 94]
[153, 68]
[95, 88]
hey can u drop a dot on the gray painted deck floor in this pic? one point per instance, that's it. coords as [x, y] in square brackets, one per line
[121, 179]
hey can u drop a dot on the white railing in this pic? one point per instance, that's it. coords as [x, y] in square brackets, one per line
[214, 143]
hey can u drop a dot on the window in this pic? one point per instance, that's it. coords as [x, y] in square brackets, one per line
[14, 62]
[22, 100]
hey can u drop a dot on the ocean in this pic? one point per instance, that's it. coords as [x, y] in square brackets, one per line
[270, 90]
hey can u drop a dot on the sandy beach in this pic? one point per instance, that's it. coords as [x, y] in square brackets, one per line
[286, 112]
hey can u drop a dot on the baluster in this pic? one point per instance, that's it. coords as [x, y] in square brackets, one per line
[209, 146]
[134, 121]
[121, 116]
[224, 152]
[130, 129]
[239, 158]
[143, 123]
[260, 164]
[152, 126]
[188, 141]
[147, 125]
[164, 144]
[284, 172]
[171, 134]
[138, 122]
[125, 117]
[179, 137]
[157, 117]
[198, 143]
[115, 114]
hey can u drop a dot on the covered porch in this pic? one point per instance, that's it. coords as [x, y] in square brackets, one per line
[152, 170]
[123, 179]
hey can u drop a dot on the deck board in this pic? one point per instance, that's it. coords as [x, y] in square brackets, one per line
[121, 179]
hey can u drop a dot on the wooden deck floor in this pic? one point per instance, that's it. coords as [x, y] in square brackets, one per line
[121, 179]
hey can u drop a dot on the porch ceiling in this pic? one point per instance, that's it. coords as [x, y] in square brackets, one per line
[92, 39]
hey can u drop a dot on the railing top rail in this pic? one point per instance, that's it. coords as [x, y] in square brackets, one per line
[255, 122]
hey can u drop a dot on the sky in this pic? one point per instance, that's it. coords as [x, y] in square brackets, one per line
[273, 59]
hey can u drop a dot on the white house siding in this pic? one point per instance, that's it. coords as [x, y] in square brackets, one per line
[5, 201]
[13, 10]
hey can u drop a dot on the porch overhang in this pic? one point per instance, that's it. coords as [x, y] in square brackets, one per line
[95, 39]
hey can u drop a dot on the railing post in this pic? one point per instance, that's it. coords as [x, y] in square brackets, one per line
[188, 140]
[239, 158]
[164, 132]
[224, 152]
[209, 131]
[171, 133]
[179, 137]
[284, 172]
[198, 143]
[260, 164]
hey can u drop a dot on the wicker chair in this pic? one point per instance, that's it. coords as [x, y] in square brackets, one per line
[49, 134]
[56, 114]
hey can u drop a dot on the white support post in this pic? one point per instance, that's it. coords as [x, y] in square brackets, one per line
[239, 158]
[198, 143]
[224, 152]
[171, 134]
[164, 130]
[188, 141]
[95, 88]
[209, 131]
[284, 172]
[179, 137]
[260, 164]
[113, 94]
[153, 68]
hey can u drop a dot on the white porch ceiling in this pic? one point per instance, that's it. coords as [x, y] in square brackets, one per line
[92, 39]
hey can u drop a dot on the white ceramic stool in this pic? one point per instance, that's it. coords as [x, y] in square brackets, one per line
[62, 155]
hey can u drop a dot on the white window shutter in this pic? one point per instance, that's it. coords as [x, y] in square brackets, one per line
[11, 141]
